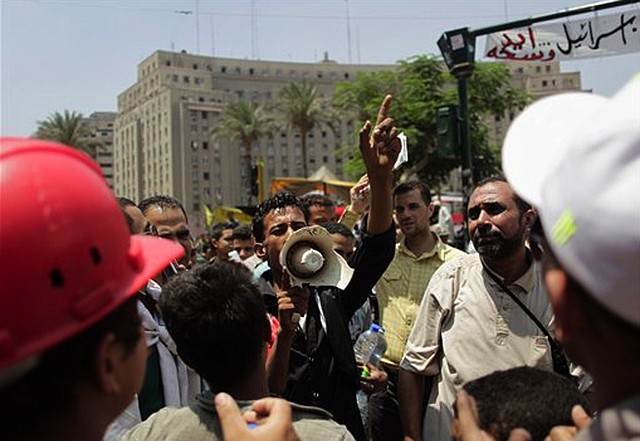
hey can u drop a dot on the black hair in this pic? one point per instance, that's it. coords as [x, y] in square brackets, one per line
[408, 186]
[281, 199]
[338, 228]
[162, 202]
[523, 206]
[217, 318]
[242, 232]
[216, 231]
[319, 200]
[124, 203]
[34, 403]
[526, 397]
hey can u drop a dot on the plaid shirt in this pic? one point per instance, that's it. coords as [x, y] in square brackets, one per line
[400, 291]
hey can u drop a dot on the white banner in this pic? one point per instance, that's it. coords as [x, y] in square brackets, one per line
[586, 38]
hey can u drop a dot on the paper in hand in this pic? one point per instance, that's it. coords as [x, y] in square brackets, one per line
[403, 156]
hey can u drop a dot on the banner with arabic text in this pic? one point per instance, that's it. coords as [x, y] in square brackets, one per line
[597, 36]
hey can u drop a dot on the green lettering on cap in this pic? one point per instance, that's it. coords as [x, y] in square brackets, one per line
[564, 229]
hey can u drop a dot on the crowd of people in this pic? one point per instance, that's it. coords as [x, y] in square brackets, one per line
[120, 326]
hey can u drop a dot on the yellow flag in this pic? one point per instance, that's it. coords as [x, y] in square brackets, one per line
[208, 216]
[223, 214]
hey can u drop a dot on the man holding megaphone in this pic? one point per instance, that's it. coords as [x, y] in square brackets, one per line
[312, 361]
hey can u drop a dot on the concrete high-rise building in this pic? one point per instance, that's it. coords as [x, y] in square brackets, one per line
[100, 126]
[163, 143]
[162, 133]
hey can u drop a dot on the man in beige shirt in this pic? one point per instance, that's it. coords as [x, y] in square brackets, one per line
[467, 326]
[418, 255]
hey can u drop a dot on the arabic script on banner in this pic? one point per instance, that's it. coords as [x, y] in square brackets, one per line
[587, 38]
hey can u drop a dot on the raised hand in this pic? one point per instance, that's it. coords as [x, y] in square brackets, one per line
[381, 147]
[360, 195]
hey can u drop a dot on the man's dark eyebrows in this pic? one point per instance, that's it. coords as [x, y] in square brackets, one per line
[495, 204]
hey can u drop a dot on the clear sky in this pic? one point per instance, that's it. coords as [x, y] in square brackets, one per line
[80, 54]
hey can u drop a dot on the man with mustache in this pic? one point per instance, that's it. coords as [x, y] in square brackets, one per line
[467, 326]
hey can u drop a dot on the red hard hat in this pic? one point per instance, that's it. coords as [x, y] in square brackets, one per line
[66, 256]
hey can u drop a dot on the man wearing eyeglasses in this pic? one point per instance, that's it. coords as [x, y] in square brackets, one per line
[168, 381]
[168, 216]
[467, 325]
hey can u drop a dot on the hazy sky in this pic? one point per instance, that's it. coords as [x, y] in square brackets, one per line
[80, 54]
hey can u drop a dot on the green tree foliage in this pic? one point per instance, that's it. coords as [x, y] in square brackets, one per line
[247, 123]
[300, 108]
[420, 86]
[67, 128]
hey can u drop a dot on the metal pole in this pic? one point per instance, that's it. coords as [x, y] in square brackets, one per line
[551, 16]
[465, 144]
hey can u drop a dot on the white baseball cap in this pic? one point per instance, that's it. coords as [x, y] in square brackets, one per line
[576, 158]
[308, 257]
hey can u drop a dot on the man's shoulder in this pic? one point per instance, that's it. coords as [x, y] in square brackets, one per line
[172, 423]
[450, 252]
[460, 262]
[315, 424]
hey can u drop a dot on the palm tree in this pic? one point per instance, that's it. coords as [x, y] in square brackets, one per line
[245, 122]
[301, 110]
[67, 128]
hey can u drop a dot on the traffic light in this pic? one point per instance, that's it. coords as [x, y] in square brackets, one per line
[447, 126]
[254, 180]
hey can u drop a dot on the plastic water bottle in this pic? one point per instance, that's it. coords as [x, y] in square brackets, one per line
[370, 348]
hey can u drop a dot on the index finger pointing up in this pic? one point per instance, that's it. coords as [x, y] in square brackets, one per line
[384, 109]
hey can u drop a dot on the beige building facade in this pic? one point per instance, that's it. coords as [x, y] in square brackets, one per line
[162, 133]
[539, 80]
[163, 143]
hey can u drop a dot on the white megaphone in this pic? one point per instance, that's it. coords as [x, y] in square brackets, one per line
[309, 258]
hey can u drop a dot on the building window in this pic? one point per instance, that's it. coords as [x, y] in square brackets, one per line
[346, 75]
[544, 83]
[547, 68]
[223, 69]
[167, 63]
[251, 71]
[185, 80]
[205, 145]
[196, 80]
[205, 176]
[195, 67]
[196, 207]
[204, 114]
